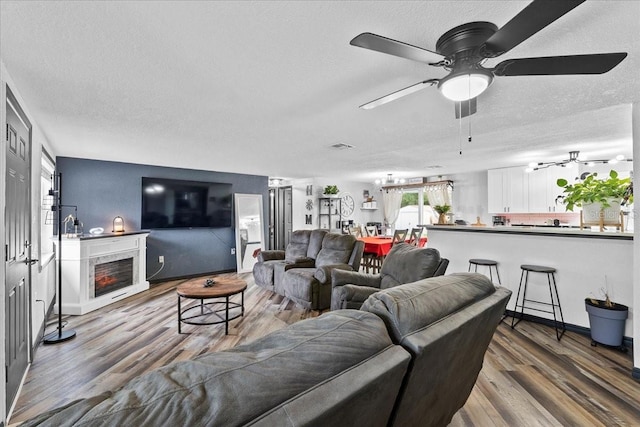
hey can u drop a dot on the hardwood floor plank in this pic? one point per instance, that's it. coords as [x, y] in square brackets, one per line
[528, 377]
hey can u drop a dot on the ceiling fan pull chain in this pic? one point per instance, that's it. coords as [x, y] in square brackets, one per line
[469, 122]
[469, 107]
[460, 130]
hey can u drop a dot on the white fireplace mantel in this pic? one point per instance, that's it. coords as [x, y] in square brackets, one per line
[79, 257]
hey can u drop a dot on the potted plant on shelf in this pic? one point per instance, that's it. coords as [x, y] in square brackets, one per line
[606, 321]
[331, 191]
[442, 211]
[600, 199]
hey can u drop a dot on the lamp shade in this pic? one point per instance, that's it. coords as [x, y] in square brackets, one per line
[464, 86]
[118, 225]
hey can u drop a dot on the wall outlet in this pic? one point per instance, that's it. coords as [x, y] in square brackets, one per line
[233, 251]
[161, 259]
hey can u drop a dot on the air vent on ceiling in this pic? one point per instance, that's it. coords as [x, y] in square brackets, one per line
[342, 146]
[434, 167]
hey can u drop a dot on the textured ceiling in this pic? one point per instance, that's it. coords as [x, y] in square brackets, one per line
[265, 87]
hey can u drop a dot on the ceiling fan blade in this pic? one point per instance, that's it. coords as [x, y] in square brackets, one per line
[466, 108]
[598, 63]
[529, 21]
[399, 94]
[394, 47]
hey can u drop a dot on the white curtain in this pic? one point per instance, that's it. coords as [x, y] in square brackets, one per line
[392, 200]
[439, 194]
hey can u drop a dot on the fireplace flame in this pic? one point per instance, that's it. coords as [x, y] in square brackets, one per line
[105, 280]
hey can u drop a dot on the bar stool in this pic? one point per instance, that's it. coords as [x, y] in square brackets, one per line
[555, 302]
[487, 263]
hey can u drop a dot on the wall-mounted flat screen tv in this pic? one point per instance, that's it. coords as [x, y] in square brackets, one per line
[171, 203]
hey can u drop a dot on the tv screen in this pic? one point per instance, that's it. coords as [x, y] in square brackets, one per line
[170, 203]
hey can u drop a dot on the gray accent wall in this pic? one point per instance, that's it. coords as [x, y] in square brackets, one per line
[103, 190]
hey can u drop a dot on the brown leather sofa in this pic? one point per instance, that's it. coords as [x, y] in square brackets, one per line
[409, 357]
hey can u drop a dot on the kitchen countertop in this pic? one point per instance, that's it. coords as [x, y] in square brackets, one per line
[559, 231]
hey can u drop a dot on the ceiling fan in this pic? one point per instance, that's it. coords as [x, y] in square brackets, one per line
[463, 49]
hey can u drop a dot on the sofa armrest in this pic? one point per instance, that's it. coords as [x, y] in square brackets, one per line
[270, 255]
[355, 293]
[323, 273]
[345, 277]
[302, 262]
[442, 267]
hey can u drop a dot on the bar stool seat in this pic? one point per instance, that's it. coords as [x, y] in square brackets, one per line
[486, 263]
[559, 325]
[538, 268]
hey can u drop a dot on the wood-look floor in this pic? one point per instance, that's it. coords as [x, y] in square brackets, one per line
[528, 378]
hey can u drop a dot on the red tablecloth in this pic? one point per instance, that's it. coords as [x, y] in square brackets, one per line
[380, 246]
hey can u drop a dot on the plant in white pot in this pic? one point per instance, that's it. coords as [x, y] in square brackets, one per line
[600, 199]
[331, 191]
[606, 321]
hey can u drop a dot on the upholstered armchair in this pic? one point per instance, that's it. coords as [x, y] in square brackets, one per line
[404, 264]
[311, 287]
[301, 251]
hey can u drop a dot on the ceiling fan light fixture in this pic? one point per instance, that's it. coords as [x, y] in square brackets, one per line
[466, 85]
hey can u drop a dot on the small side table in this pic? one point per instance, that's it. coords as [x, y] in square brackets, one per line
[223, 287]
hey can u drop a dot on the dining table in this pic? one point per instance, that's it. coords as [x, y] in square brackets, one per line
[376, 248]
[381, 245]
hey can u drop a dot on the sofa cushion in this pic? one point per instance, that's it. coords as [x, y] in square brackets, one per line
[414, 306]
[336, 249]
[406, 263]
[298, 245]
[315, 243]
[233, 387]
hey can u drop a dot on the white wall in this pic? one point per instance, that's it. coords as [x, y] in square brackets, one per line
[470, 197]
[355, 189]
[42, 281]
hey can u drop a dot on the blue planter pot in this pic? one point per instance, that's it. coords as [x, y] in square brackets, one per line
[607, 323]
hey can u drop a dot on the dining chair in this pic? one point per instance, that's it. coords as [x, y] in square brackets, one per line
[414, 236]
[399, 236]
[372, 230]
[355, 231]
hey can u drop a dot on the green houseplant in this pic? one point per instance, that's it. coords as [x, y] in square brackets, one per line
[331, 190]
[599, 198]
[442, 210]
[591, 189]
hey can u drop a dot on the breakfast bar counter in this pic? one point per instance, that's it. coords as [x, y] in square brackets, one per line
[586, 262]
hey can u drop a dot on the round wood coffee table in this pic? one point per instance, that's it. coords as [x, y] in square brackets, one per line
[223, 287]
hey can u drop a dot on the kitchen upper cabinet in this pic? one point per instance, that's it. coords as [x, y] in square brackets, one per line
[543, 189]
[496, 186]
[507, 190]
[512, 190]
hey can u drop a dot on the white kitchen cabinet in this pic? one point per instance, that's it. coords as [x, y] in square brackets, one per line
[543, 189]
[495, 183]
[508, 189]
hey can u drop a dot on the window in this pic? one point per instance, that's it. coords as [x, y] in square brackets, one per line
[47, 249]
[410, 214]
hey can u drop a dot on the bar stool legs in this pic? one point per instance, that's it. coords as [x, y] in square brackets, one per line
[487, 263]
[559, 325]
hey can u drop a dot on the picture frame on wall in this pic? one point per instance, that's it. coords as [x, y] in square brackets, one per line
[309, 190]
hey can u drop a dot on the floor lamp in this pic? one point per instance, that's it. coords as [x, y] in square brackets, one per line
[59, 336]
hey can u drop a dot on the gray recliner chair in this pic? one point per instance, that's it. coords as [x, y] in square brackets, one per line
[301, 251]
[404, 264]
[311, 287]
